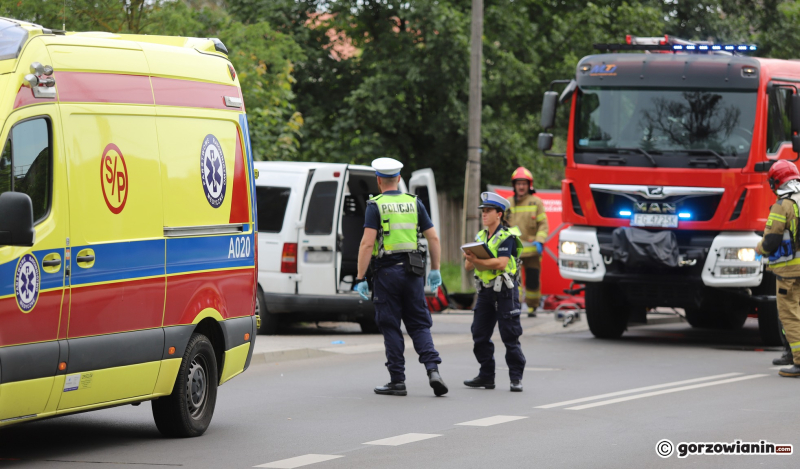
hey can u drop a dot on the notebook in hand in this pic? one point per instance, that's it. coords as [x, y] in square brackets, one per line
[481, 250]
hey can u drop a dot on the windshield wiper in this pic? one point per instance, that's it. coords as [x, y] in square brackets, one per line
[704, 151]
[620, 150]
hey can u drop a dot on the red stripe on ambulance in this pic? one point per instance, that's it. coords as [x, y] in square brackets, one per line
[240, 204]
[83, 87]
[173, 92]
[189, 294]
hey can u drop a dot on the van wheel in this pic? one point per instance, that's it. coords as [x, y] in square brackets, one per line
[368, 325]
[606, 311]
[188, 410]
[269, 321]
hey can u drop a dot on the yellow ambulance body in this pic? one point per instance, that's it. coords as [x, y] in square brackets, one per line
[127, 225]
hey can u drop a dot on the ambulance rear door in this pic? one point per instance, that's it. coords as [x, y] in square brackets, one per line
[423, 185]
[318, 232]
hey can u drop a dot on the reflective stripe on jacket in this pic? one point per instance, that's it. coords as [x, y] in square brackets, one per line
[529, 216]
[780, 240]
[399, 224]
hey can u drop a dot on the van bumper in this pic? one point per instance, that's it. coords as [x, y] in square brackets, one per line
[320, 307]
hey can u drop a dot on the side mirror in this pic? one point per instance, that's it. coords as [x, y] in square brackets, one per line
[545, 142]
[796, 143]
[763, 166]
[549, 110]
[16, 220]
[795, 115]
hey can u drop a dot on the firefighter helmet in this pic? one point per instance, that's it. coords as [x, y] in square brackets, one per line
[781, 172]
[523, 174]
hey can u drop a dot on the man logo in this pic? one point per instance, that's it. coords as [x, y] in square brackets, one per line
[654, 207]
[655, 191]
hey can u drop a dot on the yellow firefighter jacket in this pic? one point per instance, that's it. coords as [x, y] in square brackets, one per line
[528, 215]
[783, 216]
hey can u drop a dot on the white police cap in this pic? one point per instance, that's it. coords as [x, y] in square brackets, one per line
[492, 200]
[387, 167]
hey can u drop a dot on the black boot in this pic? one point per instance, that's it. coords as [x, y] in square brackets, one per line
[392, 388]
[516, 385]
[793, 372]
[478, 382]
[437, 383]
[786, 359]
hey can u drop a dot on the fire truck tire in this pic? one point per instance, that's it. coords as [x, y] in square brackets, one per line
[769, 326]
[606, 311]
[269, 321]
[188, 410]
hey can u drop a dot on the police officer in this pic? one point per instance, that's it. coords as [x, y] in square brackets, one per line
[526, 212]
[392, 228]
[780, 243]
[498, 299]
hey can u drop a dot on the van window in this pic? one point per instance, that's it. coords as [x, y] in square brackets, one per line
[779, 121]
[422, 193]
[26, 162]
[319, 220]
[272, 202]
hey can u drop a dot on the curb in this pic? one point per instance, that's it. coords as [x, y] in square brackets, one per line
[265, 358]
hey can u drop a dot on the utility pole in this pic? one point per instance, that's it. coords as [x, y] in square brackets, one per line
[472, 180]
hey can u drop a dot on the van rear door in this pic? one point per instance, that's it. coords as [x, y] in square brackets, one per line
[423, 185]
[318, 231]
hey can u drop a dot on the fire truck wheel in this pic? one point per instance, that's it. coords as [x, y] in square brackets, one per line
[188, 410]
[606, 311]
[768, 324]
[269, 321]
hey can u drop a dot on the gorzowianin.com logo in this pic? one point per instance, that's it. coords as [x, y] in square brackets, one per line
[665, 448]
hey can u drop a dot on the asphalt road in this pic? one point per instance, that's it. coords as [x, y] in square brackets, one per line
[699, 386]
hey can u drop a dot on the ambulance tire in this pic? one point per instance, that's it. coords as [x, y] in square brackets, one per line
[188, 410]
[269, 322]
[606, 311]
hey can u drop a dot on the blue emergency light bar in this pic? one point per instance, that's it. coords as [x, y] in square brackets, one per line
[624, 213]
[707, 47]
[684, 215]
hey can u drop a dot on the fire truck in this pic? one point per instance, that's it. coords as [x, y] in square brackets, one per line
[665, 187]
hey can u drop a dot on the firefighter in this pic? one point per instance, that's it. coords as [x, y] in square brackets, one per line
[498, 295]
[392, 227]
[526, 212]
[780, 243]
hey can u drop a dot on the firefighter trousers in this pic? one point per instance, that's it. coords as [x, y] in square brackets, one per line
[788, 298]
[530, 287]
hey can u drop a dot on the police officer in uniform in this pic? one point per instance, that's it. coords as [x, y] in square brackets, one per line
[392, 228]
[781, 243]
[498, 299]
[526, 212]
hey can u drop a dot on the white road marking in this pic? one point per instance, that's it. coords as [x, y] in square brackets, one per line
[401, 439]
[778, 367]
[631, 391]
[299, 461]
[665, 391]
[489, 421]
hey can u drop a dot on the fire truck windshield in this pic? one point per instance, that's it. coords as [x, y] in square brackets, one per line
[664, 127]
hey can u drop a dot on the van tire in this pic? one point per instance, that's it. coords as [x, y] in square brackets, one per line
[368, 325]
[606, 311]
[188, 410]
[269, 321]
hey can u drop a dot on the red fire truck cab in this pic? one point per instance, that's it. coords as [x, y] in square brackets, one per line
[665, 182]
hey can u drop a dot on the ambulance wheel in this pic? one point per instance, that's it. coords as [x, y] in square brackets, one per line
[188, 410]
[769, 326]
[269, 321]
[606, 311]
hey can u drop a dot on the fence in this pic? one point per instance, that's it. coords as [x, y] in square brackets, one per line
[450, 213]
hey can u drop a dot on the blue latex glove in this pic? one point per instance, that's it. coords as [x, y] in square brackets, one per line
[539, 247]
[759, 257]
[363, 290]
[434, 280]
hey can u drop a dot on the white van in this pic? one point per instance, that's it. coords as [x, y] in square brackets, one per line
[310, 224]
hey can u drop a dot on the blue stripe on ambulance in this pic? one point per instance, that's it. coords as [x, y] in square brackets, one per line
[120, 261]
[185, 255]
[48, 281]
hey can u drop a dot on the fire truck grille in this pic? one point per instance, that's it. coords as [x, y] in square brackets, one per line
[701, 207]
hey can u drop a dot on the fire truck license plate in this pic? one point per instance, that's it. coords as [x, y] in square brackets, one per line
[649, 219]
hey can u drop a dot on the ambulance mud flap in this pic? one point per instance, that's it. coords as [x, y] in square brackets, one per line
[178, 337]
[234, 330]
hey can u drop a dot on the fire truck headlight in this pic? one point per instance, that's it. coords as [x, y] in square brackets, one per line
[740, 254]
[572, 248]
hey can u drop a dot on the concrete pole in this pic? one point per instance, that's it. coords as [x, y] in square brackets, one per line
[472, 180]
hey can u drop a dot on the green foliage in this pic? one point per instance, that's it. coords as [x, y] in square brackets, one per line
[451, 277]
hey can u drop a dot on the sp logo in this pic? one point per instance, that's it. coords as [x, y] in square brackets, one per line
[114, 178]
[26, 282]
[212, 171]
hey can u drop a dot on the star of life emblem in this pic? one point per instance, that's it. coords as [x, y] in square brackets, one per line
[26, 282]
[213, 171]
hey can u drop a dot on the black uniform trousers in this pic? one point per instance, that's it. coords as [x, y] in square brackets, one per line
[400, 295]
[501, 308]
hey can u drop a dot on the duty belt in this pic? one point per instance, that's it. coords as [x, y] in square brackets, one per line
[497, 283]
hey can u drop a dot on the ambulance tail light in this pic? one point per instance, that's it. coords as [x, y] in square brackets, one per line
[289, 258]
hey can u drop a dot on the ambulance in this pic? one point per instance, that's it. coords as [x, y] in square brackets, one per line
[127, 225]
